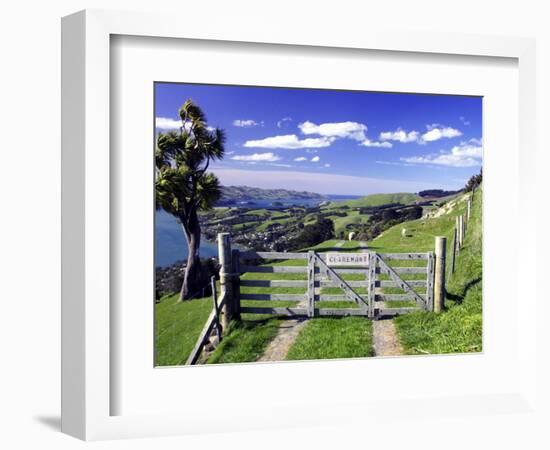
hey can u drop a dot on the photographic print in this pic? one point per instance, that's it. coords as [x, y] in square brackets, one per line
[307, 224]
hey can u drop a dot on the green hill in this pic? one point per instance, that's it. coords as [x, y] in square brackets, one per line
[378, 200]
[459, 328]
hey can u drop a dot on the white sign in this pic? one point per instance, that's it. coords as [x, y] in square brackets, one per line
[347, 259]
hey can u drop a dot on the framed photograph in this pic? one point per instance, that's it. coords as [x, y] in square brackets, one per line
[325, 233]
[249, 214]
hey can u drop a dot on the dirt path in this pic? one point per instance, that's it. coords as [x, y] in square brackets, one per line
[287, 334]
[386, 342]
[279, 346]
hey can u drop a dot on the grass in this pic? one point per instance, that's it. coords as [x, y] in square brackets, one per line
[245, 342]
[377, 200]
[459, 328]
[247, 339]
[353, 217]
[177, 327]
[329, 338]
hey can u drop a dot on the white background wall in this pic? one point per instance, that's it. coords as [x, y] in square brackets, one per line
[30, 194]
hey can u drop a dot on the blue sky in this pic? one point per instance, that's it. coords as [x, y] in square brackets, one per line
[335, 142]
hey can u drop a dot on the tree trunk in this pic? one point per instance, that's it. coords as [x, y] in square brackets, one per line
[192, 281]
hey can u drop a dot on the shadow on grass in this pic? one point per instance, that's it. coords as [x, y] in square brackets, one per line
[353, 249]
[459, 298]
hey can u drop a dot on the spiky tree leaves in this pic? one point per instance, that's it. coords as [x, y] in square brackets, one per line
[183, 185]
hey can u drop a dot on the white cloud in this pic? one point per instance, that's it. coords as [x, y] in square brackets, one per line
[400, 135]
[315, 159]
[280, 165]
[290, 141]
[245, 123]
[350, 130]
[394, 163]
[369, 143]
[467, 154]
[300, 158]
[436, 132]
[327, 165]
[327, 134]
[473, 141]
[284, 121]
[257, 157]
[165, 123]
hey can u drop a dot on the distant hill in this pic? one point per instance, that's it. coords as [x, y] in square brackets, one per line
[437, 193]
[235, 194]
[379, 199]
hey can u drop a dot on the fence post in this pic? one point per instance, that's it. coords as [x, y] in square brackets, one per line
[469, 213]
[439, 282]
[463, 233]
[224, 255]
[310, 284]
[430, 282]
[460, 231]
[453, 249]
[216, 307]
[236, 259]
[457, 231]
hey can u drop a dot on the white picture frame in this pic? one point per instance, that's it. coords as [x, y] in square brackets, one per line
[87, 386]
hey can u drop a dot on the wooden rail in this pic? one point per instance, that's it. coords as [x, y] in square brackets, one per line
[205, 333]
[273, 297]
[252, 255]
[303, 269]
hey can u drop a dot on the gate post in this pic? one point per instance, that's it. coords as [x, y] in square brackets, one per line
[439, 281]
[371, 289]
[236, 260]
[311, 258]
[430, 268]
[224, 255]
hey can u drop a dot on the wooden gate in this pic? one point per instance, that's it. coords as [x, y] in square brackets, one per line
[369, 284]
[367, 281]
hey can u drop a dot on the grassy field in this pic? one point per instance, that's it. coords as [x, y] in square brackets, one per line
[353, 217]
[177, 327]
[459, 329]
